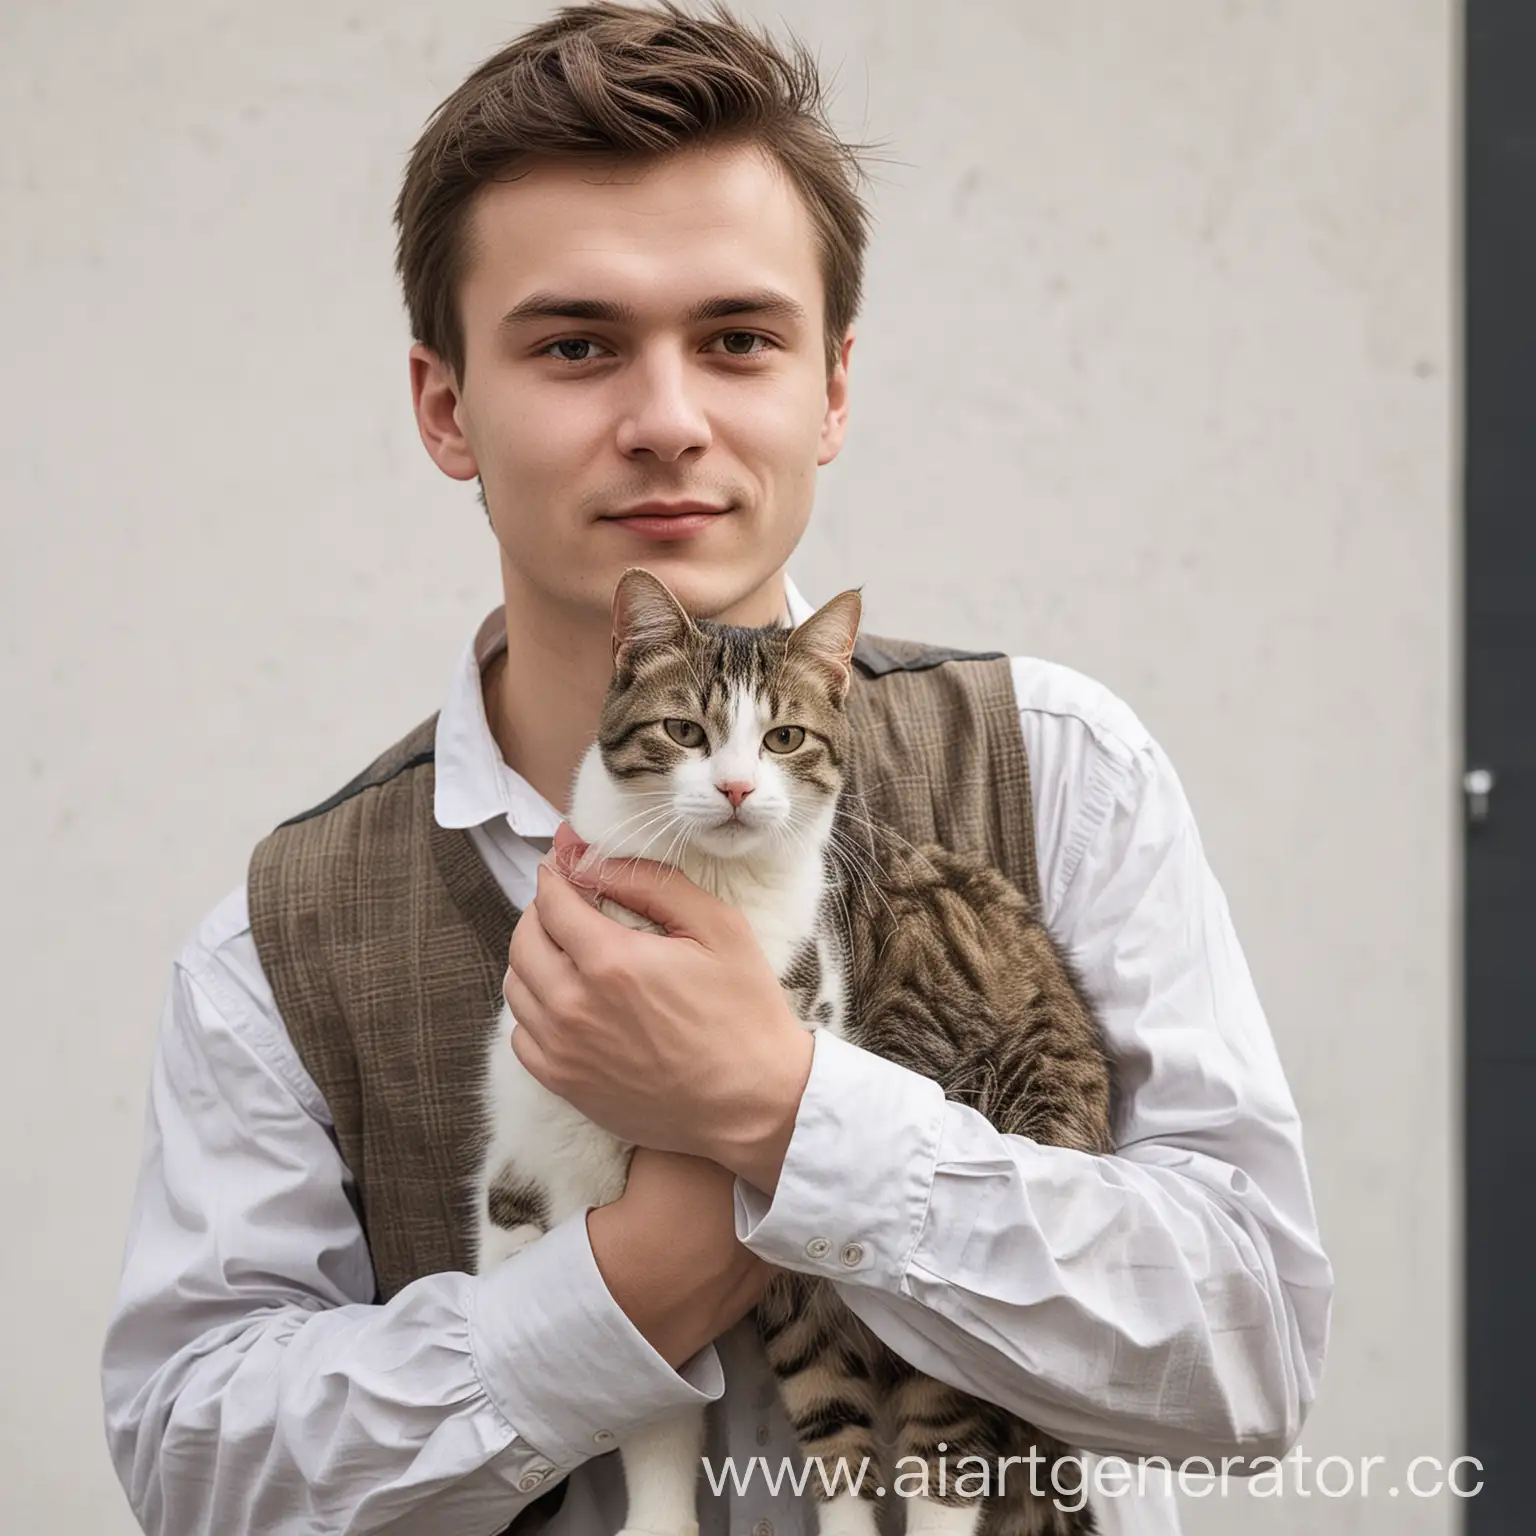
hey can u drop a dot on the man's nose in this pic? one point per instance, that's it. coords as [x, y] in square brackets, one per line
[736, 791]
[664, 419]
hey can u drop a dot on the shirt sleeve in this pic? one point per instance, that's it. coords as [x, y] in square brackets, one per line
[1170, 1299]
[250, 1381]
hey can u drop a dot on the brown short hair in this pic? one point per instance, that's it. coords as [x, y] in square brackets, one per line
[635, 81]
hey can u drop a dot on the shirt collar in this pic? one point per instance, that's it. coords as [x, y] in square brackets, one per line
[474, 784]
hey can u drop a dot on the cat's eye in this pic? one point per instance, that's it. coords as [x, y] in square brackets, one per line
[784, 738]
[686, 733]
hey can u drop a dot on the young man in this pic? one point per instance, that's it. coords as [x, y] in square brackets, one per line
[631, 250]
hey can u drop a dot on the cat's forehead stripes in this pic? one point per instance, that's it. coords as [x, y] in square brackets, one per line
[735, 682]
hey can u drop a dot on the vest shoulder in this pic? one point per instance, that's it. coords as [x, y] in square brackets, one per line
[883, 655]
[311, 866]
[414, 750]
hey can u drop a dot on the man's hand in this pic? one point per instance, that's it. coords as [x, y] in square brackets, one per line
[682, 1040]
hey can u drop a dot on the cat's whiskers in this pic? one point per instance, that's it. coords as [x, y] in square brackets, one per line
[797, 822]
[683, 832]
[682, 852]
[846, 934]
[611, 835]
[665, 814]
[670, 820]
[856, 858]
[861, 864]
[891, 927]
[606, 846]
[848, 808]
[787, 834]
[841, 848]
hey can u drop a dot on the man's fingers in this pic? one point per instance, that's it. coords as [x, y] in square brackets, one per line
[572, 923]
[659, 892]
[537, 957]
[526, 1047]
[526, 1010]
[531, 1031]
[566, 842]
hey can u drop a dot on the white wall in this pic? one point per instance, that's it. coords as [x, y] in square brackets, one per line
[1155, 378]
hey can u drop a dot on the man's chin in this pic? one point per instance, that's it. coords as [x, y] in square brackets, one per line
[714, 589]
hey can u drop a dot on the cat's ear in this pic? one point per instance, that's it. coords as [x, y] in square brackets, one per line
[826, 640]
[645, 614]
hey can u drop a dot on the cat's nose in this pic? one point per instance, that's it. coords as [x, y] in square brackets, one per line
[735, 792]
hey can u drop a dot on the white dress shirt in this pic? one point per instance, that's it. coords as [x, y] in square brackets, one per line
[1172, 1299]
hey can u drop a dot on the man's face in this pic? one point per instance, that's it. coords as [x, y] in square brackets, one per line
[569, 420]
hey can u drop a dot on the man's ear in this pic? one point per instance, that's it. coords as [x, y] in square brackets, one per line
[435, 399]
[834, 425]
[645, 613]
[826, 640]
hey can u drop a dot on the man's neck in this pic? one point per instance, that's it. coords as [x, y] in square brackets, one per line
[544, 693]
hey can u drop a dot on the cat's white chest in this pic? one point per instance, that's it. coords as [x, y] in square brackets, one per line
[782, 916]
[787, 920]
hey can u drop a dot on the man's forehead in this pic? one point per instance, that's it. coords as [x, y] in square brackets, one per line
[738, 175]
[717, 219]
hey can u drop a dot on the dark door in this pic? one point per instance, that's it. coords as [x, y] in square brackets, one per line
[1500, 575]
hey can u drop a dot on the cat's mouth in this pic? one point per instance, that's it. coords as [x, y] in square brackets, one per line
[735, 830]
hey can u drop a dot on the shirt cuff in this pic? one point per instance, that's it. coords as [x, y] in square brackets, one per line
[853, 1194]
[560, 1358]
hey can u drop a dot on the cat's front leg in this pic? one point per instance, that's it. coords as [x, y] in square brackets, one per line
[953, 1436]
[661, 1472]
[937, 1424]
[821, 1355]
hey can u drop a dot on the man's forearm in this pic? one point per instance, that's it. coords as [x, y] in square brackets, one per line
[1132, 1304]
[667, 1251]
[678, 1307]
[233, 1422]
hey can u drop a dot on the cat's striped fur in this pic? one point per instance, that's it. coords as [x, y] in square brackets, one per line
[929, 959]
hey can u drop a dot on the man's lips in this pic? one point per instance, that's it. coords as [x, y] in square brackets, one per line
[666, 509]
[658, 520]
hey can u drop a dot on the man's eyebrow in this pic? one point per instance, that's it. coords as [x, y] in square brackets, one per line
[554, 306]
[758, 301]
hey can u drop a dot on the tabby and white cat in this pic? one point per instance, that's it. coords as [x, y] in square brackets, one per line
[724, 751]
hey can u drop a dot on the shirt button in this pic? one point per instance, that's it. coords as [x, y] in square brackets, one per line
[818, 1248]
[763, 1528]
[762, 1434]
[853, 1255]
[531, 1479]
[603, 1437]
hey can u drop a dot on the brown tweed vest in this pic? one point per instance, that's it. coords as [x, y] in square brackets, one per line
[384, 936]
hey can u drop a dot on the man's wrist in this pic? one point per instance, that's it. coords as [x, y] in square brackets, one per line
[670, 1327]
[561, 1358]
[680, 1289]
[761, 1125]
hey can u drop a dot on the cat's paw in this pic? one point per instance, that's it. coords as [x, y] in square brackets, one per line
[687, 1528]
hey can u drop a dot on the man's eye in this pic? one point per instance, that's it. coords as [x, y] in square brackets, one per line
[569, 349]
[686, 733]
[748, 337]
[568, 341]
